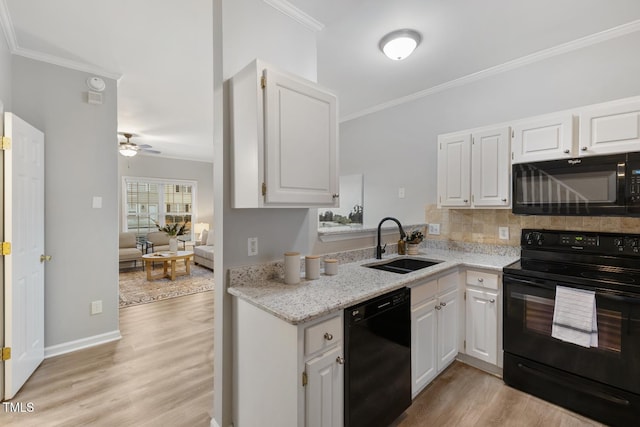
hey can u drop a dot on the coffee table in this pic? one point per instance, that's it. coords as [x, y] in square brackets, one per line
[168, 260]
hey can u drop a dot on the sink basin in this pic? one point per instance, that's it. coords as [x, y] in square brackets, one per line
[403, 265]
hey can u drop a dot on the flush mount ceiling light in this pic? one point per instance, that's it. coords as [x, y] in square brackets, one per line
[399, 44]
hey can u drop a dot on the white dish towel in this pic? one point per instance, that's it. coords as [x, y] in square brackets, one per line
[574, 317]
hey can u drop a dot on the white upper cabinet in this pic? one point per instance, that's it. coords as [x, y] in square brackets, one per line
[490, 167]
[454, 170]
[474, 169]
[612, 127]
[284, 140]
[543, 138]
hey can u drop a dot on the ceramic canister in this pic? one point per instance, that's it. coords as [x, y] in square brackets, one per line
[312, 267]
[291, 268]
[330, 267]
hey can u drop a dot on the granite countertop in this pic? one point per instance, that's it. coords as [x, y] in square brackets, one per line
[311, 299]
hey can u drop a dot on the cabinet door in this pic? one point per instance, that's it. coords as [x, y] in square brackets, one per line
[447, 309]
[324, 390]
[490, 168]
[300, 143]
[424, 329]
[545, 138]
[610, 128]
[454, 170]
[482, 325]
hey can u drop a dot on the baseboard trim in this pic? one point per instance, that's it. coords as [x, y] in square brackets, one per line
[214, 423]
[71, 346]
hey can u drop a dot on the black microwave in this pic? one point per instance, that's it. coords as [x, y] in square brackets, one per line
[586, 186]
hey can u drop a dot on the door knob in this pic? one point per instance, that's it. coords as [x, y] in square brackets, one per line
[44, 258]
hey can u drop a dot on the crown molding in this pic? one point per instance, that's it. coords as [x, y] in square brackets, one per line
[296, 14]
[12, 43]
[7, 26]
[611, 33]
[67, 63]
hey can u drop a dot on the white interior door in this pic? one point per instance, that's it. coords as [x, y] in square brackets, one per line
[24, 269]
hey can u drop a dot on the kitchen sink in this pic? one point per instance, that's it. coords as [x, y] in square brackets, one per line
[403, 265]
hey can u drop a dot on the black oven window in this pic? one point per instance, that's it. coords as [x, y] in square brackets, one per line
[538, 319]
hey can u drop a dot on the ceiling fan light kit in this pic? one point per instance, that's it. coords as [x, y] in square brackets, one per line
[399, 44]
[129, 149]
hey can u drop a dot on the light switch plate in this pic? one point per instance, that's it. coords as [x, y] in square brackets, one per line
[401, 193]
[96, 203]
[503, 233]
[96, 307]
[434, 229]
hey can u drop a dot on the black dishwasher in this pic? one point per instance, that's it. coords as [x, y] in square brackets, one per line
[377, 383]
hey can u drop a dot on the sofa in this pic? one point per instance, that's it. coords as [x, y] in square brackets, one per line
[203, 253]
[157, 241]
[128, 249]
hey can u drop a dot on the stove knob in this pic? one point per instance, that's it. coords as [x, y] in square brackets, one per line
[528, 238]
[635, 243]
[539, 239]
[618, 241]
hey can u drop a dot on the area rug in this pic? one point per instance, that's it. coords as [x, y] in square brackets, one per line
[136, 289]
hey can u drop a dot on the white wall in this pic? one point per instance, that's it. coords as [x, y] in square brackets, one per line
[5, 74]
[80, 162]
[252, 29]
[405, 136]
[244, 30]
[160, 167]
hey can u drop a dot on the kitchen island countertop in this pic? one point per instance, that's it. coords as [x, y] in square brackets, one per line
[311, 299]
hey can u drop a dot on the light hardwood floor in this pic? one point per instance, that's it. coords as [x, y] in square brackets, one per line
[159, 374]
[465, 396]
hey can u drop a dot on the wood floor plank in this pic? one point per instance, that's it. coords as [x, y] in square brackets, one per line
[159, 374]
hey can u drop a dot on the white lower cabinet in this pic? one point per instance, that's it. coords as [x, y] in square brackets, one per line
[286, 375]
[434, 328]
[482, 325]
[483, 317]
[324, 392]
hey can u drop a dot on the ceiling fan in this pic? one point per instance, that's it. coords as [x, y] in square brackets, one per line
[130, 149]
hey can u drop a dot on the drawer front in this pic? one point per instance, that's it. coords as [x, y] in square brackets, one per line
[449, 281]
[322, 335]
[482, 279]
[423, 292]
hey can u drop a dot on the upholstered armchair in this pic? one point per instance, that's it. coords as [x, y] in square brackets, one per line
[128, 248]
[157, 241]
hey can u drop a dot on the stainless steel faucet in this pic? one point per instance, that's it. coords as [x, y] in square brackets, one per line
[379, 249]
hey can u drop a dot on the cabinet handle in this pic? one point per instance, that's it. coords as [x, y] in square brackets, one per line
[438, 307]
[328, 336]
[504, 200]
[584, 148]
[335, 196]
[566, 151]
[340, 360]
[480, 279]
[492, 301]
[466, 201]
[443, 304]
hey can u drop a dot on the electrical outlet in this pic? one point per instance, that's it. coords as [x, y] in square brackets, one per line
[252, 246]
[401, 193]
[434, 229]
[503, 233]
[96, 307]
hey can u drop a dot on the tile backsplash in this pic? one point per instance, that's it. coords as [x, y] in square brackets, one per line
[481, 225]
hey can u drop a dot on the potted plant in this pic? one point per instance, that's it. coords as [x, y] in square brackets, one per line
[172, 231]
[413, 239]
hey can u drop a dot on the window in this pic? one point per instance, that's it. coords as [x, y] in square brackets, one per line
[149, 202]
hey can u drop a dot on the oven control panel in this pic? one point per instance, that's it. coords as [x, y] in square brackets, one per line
[581, 242]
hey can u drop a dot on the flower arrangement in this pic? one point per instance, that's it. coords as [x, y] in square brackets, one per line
[172, 230]
[415, 237]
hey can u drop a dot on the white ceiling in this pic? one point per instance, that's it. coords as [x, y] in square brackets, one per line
[161, 50]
